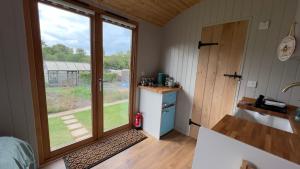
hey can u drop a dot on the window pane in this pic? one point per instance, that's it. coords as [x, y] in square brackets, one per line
[67, 72]
[116, 73]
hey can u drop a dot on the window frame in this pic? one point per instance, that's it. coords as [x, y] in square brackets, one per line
[35, 60]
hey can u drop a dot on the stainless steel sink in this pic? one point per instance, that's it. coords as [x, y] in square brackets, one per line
[271, 121]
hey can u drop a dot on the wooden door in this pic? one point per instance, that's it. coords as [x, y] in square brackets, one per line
[214, 93]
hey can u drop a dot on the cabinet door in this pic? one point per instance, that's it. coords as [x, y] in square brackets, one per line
[171, 118]
[169, 98]
[164, 125]
[167, 120]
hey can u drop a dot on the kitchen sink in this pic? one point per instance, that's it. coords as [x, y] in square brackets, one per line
[268, 120]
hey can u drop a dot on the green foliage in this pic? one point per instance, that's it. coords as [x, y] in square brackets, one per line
[60, 52]
[85, 77]
[66, 98]
[117, 61]
[109, 77]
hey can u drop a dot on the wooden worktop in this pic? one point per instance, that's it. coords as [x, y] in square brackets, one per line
[160, 90]
[248, 103]
[280, 143]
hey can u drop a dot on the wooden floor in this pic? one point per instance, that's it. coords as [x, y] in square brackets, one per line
[173, 151]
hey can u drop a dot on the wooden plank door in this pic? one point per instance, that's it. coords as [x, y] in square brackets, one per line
[214, 93]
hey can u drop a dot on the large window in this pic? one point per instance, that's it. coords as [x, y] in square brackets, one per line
[83, 71]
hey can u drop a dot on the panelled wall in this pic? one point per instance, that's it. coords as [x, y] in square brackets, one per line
[260, 62]
[16, 107]
[16, 110]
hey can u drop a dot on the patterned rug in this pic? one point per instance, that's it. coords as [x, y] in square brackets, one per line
[102, 150]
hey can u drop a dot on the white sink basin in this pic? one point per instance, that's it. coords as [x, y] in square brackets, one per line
[271, 121]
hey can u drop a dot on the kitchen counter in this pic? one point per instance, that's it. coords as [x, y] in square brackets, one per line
[283, 144]
[160, 90]
[248, 103]
[278, 142]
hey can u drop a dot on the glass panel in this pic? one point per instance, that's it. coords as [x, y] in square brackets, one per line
[67, 72]
[116, 73]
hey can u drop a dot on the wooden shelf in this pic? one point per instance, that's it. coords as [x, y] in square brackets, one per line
[160, 90]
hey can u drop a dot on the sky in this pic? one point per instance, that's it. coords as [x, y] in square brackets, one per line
[73, 30]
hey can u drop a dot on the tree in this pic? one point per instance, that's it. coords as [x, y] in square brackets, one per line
[119, 60]
[60, 52]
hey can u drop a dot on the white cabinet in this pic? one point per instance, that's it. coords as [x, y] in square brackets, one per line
[158, 111]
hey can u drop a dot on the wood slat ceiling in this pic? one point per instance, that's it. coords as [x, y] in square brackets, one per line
[158, 12]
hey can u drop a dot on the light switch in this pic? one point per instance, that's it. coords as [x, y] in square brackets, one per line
[264, 25]
[252, 84]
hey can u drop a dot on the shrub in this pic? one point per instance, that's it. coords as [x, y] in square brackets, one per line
[110, 77]
[85, 77]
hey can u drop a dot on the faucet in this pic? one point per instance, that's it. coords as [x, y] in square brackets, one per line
[290, 86]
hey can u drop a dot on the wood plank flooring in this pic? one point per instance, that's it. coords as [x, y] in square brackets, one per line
[173, 151]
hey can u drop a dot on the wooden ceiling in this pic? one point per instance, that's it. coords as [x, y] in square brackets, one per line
[158, 12]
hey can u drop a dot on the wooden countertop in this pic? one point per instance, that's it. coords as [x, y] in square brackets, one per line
[248, 103]
[160, 90]
[283, 144]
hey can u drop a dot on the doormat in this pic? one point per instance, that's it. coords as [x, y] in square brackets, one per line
[102, 150]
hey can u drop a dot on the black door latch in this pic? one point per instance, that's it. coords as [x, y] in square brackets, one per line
[234, 76]
[200, 44]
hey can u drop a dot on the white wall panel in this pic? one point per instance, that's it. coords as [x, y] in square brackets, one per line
[260, 62]
[16, 112]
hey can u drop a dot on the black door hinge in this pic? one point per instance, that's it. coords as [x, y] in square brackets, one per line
[191, 122]
[234, 76]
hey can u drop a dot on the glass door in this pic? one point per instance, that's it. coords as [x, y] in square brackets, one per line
[117, 42]
[66, 57]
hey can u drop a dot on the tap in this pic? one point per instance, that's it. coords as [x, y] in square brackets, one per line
[290, 86]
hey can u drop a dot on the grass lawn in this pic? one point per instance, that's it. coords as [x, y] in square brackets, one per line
[114, 116]
[67, 98]
[59, 133]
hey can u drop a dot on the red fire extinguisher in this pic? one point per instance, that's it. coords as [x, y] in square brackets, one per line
[138, 120]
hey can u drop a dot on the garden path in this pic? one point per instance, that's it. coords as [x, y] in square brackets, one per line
[77, 130]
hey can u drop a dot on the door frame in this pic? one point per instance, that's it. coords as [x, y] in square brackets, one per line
[35, 62]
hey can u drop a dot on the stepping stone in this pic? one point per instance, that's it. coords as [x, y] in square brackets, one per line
[71, 121]
[79, 132]
[74, 126]
[68, 117]
[83, 137]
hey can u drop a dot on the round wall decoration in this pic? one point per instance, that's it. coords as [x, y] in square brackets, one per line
[287, 46]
